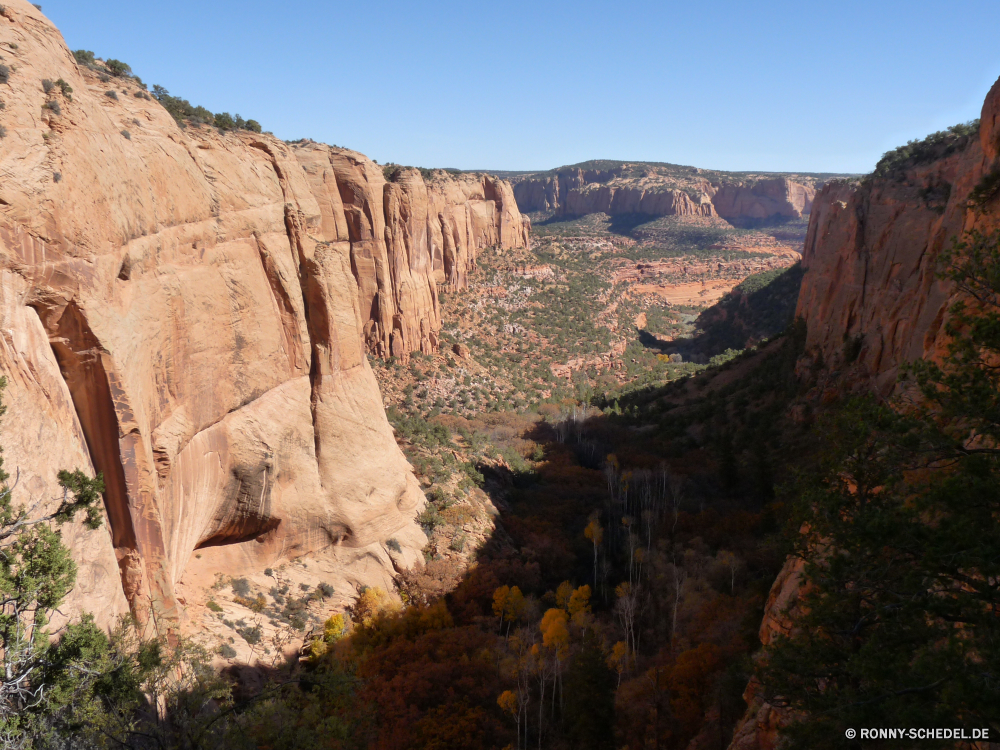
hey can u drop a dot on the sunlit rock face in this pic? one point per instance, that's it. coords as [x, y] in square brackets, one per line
[190, 312]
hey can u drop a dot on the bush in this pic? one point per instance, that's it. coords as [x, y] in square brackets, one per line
[226, 651]
[268, 572]
[935, 146]
[47, 85]
[57, 176]
[84, 56]
[429, 518]
[117, 68]
[111, 94]
[4, 74]
[54, 107]
[127, 134]
[325, 590]
[212, 605]
[3, 132]
[394, 545]
[65, 88]
[241, 587]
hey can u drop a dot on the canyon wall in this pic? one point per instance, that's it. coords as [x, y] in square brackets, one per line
[658, 191]
[872, 300]
[190, 312]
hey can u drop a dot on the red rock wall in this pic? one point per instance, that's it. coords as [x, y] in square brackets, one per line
[871, 263]
[189, 312]
[575, 192]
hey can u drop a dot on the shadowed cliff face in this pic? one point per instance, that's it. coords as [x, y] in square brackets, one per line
[191, 312]
[660, 190]
[872, 300]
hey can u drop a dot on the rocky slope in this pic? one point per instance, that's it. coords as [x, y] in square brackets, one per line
[872, 299]
[190, 313]
[618, 188]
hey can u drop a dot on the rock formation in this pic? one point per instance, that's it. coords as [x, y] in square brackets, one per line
[666, 190]
[190, 313]
[872, 299]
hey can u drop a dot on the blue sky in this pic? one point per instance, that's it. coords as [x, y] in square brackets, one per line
[775, 86]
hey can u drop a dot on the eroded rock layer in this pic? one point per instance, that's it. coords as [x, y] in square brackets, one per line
[666, 190]
[189, 312]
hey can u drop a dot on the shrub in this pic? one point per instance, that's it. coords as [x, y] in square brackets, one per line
[226, 651]
[54, 107]
[393, 544]
[457, 543]
[212, 605]
[47, 85]
[250, 635]
[105, 78]
[57, 176]
[935, 146]
[4, 74]
[3, 132]
[111, 94]
[65, 88]
[241, 587]
[305, 586]
[429, 518]
[3, 105]
[117, 68]
[84, 56]
[268, 572]
[326, 590]
[127, 134]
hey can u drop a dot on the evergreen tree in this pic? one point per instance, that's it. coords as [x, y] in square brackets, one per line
[590, 698]
[899, 531]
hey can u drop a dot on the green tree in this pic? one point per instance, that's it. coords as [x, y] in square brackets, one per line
[118, 69]
[36, 574]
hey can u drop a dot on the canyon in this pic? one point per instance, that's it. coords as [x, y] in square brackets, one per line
[295, 367]
[190, 313]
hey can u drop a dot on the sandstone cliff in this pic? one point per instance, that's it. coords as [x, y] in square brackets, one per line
[872, 299]
[666, 190]
[190, 313]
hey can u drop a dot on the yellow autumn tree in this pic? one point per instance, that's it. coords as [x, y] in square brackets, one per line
[508, 605]
[579, 600]
[563, 593]
[619, 659]
[370, 604]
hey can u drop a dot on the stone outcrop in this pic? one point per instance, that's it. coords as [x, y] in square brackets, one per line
[872, 300]
[871, 296]
[190, 313]
[665, 190]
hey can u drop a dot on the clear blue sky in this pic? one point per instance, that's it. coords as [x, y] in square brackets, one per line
[730, 84]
